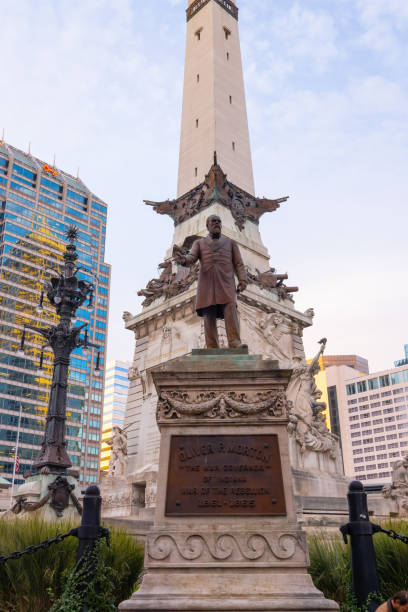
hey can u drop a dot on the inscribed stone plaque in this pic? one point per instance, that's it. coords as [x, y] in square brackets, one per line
[225, 475]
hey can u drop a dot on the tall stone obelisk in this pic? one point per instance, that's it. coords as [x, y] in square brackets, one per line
[214, 110]
[215, 177]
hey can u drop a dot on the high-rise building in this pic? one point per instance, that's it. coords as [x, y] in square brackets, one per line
[37, 204]
[373, 419]
[114, 403]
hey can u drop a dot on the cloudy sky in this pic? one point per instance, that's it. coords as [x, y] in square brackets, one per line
[99, 83]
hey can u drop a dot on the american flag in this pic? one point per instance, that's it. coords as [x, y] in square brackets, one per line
[17, 464]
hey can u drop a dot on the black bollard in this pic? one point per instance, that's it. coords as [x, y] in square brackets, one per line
[89, 531]
[363, 561]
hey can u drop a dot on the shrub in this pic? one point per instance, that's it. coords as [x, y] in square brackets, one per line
[330, 565]
[34, 581]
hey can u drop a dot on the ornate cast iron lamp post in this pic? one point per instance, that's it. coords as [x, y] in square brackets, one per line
[66, 293]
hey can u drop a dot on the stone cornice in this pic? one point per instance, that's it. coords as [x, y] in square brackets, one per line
[155, 316]
[197, 5]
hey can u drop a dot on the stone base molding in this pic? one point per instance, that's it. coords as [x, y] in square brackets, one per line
[233, 591]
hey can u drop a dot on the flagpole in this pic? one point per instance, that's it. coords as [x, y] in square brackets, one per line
[16, 452]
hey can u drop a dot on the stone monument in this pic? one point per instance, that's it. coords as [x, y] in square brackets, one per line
[221, 184]
[225, 534]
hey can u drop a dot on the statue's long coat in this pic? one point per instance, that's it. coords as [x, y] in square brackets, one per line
[219, 259]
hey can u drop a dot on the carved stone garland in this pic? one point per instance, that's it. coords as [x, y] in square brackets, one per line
[215, 404]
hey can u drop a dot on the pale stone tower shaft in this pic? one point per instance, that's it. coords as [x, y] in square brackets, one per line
[214, 116]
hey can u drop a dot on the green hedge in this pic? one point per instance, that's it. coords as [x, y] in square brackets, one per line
[34, 582]
[330, 564]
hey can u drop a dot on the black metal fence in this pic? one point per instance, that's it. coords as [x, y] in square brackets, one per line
[366, 584]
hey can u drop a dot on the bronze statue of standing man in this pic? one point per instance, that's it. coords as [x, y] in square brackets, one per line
[220, 260]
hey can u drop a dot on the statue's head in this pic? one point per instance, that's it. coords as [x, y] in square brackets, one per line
[116, 429]
[214, 225]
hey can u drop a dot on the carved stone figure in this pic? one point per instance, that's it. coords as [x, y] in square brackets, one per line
[133, 373]
[271, 334]
[151, 492]
[118, 456]
[277, 331]
[309, 312]
[127, 316]
[398, 489]
[302, 387]
[306, 420]
[216, 293]
[170, 283]
[216, 188]
[271, 281]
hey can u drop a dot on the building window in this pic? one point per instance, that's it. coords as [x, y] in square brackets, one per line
[230, 98]
[362, 386]
[227, 60]
[384, 381]
[197, 34]
[373, 383]
[227, 33]
[195, 171]
[351, 389]
[396, 378]
[196, 123]
[198, 78]
[233, 146]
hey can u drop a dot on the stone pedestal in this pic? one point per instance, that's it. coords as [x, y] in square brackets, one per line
[225, 535]
[50, 497]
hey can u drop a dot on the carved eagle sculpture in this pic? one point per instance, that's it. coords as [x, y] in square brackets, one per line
[216, 188]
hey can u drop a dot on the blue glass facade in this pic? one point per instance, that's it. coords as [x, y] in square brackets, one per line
[37, 204]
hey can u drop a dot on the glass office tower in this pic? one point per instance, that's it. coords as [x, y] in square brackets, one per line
[37, 204]
[114, 404]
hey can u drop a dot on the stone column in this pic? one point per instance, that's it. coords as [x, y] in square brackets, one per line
[225, 534]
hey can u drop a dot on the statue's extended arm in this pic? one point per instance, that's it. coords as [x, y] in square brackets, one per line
[190, 258]
[314, 366]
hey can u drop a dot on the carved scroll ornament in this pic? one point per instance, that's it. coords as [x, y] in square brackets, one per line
[213, 404]
[225, 547]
